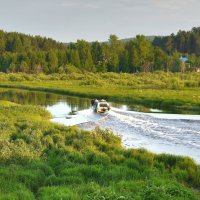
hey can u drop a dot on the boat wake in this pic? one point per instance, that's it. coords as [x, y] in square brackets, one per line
[161, 133]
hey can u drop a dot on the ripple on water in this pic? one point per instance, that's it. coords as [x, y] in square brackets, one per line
[170, 135]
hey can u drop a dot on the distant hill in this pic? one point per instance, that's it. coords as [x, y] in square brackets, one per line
[151, 38]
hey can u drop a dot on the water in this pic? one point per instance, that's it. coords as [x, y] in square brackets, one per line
[164, 133]
[154, 130]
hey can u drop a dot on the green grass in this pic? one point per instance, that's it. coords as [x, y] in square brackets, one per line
[7, 103]
[153, 89]
[42, 160]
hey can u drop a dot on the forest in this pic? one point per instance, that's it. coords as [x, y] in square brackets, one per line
[187, 42]
[25, 53]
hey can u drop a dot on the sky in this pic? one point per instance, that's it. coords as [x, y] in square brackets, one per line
[91, 20]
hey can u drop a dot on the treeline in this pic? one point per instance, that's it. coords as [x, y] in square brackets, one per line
[187, 42]
[23, 53]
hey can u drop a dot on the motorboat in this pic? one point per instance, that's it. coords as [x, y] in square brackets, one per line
[100, 106]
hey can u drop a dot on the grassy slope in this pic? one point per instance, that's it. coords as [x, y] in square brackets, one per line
[158, 89]
[42, 160]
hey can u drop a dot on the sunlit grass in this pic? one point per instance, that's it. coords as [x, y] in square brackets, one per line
[7, 103]
[154, 89]
[42, 160]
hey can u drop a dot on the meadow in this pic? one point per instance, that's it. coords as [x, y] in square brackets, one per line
[42, 160]
[159, 89]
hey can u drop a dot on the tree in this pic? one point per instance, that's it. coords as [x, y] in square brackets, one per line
[140, 53]
[176, 63]
[160, 59]
[52, 61]
[84, 50]
[12, 68]
[115, 49]
[6, 60]
[123, 61]
[23, 67]
[2, 42]
[74, 58]
[97, 53]
[62, 57]
[133, 56]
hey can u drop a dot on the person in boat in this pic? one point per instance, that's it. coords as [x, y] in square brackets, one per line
[94, 101]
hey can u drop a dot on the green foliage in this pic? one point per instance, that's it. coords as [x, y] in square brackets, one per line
[186, 42]
[57, 193]
[42, 160]
[22, 53]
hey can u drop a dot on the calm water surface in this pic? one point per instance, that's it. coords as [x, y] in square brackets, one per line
[161, 131]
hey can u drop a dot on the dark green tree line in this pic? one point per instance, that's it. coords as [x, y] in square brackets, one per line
[24, 53]
[184, 41]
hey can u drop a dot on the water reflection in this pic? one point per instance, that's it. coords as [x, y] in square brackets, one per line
[77, 103]
[44, 99]
[154, 109]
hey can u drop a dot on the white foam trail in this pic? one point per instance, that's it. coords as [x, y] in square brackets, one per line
[158, 129]
[161, 133]
[175, 116]
[162, 115]
[72, 121]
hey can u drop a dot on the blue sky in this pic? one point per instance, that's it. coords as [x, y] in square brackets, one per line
[67, 20]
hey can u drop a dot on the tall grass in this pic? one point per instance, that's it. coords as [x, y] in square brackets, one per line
[42, 160]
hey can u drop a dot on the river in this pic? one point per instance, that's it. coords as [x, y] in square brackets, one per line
[160, 131]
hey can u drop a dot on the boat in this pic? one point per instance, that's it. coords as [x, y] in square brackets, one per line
[100, 106]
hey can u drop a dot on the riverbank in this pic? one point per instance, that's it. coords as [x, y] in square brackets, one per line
[42, 160]
[160, 90]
